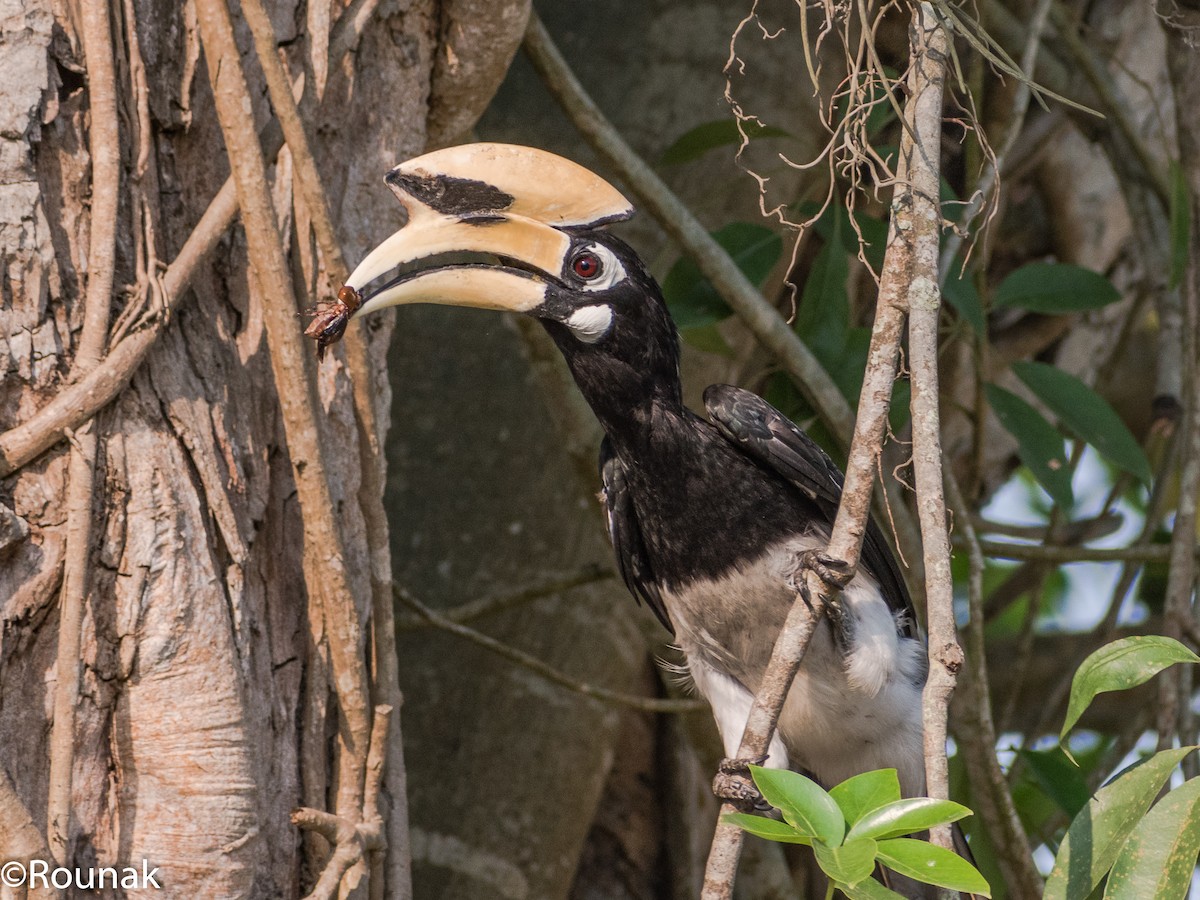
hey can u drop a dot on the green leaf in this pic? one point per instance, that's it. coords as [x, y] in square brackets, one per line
[1160, 856]
[931, 864]
[907, 816]
[1055, 288]
[693, 301]
[1119, 666]
[708, 136]
[961, 293]
[769, 829]
[1039, 445]
[803, 802]
[1087, 414]
[869, 889]
[1059, 778]
[1181, 223]
[823, 318]
[1096, 835]
[848, 864]
[865, 793]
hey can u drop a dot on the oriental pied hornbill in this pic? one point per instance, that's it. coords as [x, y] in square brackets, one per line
[708, 517]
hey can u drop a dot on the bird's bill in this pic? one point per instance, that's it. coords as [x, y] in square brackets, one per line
[429, 233]
[505, 178]
[482, 287]
[516, 203]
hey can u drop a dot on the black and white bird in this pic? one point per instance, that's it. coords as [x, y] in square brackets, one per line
[709, 517]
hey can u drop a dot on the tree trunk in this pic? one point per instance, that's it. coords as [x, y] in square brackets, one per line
[205, 711]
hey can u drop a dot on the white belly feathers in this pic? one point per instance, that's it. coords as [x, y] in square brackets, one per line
[850, 709]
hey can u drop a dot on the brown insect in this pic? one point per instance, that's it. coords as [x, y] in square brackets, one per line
[330, 319]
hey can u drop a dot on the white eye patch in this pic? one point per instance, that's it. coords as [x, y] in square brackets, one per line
[590, 323]
[611, 270]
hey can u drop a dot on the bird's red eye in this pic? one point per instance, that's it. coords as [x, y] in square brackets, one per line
[586, 265]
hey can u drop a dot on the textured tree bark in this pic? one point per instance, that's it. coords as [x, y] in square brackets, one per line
[205, 712]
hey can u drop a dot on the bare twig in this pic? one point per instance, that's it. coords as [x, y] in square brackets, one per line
[486, 606]
[76, 579]
[105, 147]
[994, 802]
[1064, 555]
[616, 698]
[372, 457]
[915, 262]
[897, 290]
[104, 143]
[294, 373]
[1180, 606]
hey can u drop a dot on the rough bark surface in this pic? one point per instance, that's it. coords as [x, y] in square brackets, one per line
[205, 712]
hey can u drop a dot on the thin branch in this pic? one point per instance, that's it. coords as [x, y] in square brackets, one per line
[104, 143]
[916, 264]
[295, 382]
[75, 403]
[372, 458]
[1060, 555]
[994, 802]
[897, 290]
[486, 606]
[525, 660]
[76, 581]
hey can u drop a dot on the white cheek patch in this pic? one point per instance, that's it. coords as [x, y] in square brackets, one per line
[590, 323]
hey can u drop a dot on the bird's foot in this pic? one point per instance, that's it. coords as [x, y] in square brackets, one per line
[834, 572]
[734, 785]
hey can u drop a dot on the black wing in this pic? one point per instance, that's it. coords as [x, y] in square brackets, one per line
[626, 535]
[763, 432]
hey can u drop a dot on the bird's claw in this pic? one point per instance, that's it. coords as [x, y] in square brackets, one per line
[734, 785]
[834, 572]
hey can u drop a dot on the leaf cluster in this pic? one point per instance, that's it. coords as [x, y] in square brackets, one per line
[860, 824]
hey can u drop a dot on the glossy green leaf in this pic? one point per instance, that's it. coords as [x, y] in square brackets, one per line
[769, 829]
[803, 802]
[1059, 778]
[907, 816]
[1159, 857]
[1039, 444]
[1181, 223]
[1087, 414]
[696, 142]
[1119, 666]
[869, 889]
[693, 301]
[1055, 288]
[848, 864]
[1097, 834]
[865, 793]
[931, 864]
